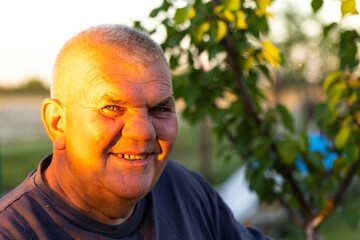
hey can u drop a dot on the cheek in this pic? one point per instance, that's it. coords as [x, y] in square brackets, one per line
[166, 130]
[94, 131]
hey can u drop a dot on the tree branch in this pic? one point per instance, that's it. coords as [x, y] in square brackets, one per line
[244, 92]
[346, 181]
[286, 173]
[292, 213]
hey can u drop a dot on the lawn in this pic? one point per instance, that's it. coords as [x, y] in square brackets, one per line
[18, 160]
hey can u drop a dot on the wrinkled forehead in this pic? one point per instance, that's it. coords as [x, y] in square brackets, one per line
[111, 62]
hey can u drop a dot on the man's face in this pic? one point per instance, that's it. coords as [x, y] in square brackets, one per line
[120, 127]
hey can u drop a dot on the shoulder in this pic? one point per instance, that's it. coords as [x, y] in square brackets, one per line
[15, 195]
[180, 178]
[190, 192]
[15, 211]
[176, 171]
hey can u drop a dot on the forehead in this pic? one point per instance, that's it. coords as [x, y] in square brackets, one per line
[115, 75]
[109, 62]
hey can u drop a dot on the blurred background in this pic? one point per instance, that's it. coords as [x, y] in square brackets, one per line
[32, 32]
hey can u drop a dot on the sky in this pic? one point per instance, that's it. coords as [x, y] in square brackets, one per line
[32, 32]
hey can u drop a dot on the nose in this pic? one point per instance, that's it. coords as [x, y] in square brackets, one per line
[138, 126]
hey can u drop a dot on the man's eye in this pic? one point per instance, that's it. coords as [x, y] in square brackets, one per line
[112, 110]
[160, 109]
[160, 112]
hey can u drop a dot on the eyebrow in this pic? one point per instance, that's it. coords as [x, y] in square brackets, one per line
[109, 98]
[169, 101]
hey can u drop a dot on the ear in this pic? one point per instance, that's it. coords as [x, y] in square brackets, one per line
[53, 118]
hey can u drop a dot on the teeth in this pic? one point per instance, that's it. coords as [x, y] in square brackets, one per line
[132, 157]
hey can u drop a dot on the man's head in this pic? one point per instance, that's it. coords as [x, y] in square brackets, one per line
[128, 44]
[111, 117]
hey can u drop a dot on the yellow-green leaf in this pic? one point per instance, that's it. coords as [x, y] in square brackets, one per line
[191, 13]
[221, 30]
[271, 54]
[232, 5]
[287, 150]
[203, 28]
[182, 14]
[348, 6]
[248, 63]
[331, 79]
[342, 136]
[353, 98]
[335, 94]
[219, 9]
[229, 16]
[262, 5]
[240, 20]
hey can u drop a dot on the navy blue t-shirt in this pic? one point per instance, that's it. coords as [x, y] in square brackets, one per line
[181, 206]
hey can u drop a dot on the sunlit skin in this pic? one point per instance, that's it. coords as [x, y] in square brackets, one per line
[119, 107]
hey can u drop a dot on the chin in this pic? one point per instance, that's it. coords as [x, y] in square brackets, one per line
[133, 187]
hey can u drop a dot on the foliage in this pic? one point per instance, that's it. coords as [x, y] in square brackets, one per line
[219, 52]
[32, 86]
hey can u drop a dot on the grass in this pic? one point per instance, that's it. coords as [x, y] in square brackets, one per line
[18, 160]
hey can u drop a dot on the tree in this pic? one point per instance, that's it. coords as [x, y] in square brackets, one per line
[219, 54]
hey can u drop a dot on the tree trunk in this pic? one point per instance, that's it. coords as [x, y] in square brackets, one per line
[311, 232]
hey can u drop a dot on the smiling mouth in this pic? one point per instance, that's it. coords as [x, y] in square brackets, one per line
[132, 157]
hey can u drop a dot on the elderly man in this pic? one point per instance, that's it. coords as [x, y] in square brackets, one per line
[113, 124]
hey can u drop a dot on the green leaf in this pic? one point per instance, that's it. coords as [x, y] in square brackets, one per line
[342, 136]
[155, 12]
[328, 28]
[232, 5]
[316, 5]
[351, 152]
[331, 79]
[348, 50]
[287, 150]
[301, 141]
[339, 164]
[315, 159]
[285, 116]
[348, 6]
[182, 14]
[266, 72]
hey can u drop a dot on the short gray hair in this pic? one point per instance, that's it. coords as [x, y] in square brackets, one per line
[136, 46]
[136, 43]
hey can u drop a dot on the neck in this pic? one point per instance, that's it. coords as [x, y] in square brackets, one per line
[102, 206]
